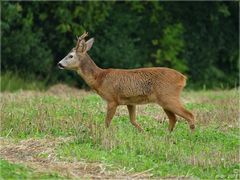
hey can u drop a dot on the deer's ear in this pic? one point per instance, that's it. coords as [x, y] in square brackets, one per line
[89, 44]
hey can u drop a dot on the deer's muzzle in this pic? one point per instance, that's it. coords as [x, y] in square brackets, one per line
[60, 66]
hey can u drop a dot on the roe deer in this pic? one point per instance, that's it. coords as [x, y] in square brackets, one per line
[130, 87]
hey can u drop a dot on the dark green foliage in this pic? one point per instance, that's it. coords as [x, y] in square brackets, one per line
[22, 48]
[211, 36]
[200, 39]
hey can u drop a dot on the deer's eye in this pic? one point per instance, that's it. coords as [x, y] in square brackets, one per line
[70, 56]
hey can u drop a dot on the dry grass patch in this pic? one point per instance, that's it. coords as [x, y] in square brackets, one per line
[40, 155]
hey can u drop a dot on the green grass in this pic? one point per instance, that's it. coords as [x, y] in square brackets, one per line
[12, 82]
[18, 171]
[211, 152]
[208, 153]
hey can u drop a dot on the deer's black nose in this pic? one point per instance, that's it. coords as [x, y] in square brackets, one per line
[60, 66]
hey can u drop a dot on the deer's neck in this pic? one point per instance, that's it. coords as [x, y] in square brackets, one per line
[88, 70]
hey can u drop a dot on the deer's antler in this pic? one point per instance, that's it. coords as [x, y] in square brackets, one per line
[85, 34]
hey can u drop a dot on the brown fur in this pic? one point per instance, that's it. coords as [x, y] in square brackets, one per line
[138, 86]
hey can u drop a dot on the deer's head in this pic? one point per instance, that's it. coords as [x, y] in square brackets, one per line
[73, 59]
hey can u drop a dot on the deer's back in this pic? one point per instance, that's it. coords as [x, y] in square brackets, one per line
[139, 85]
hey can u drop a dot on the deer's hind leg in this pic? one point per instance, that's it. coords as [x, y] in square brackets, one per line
[132, 115]
[172, 119]
[177, 108]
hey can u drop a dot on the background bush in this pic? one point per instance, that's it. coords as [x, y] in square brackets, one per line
[200, 39]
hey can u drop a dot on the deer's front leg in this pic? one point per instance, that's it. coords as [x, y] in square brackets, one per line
[132, 114]
[111, 109]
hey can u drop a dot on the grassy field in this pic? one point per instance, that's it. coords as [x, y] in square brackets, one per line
[16, 171]
[61, 133]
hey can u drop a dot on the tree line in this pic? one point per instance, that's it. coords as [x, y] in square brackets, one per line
[199, 39]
